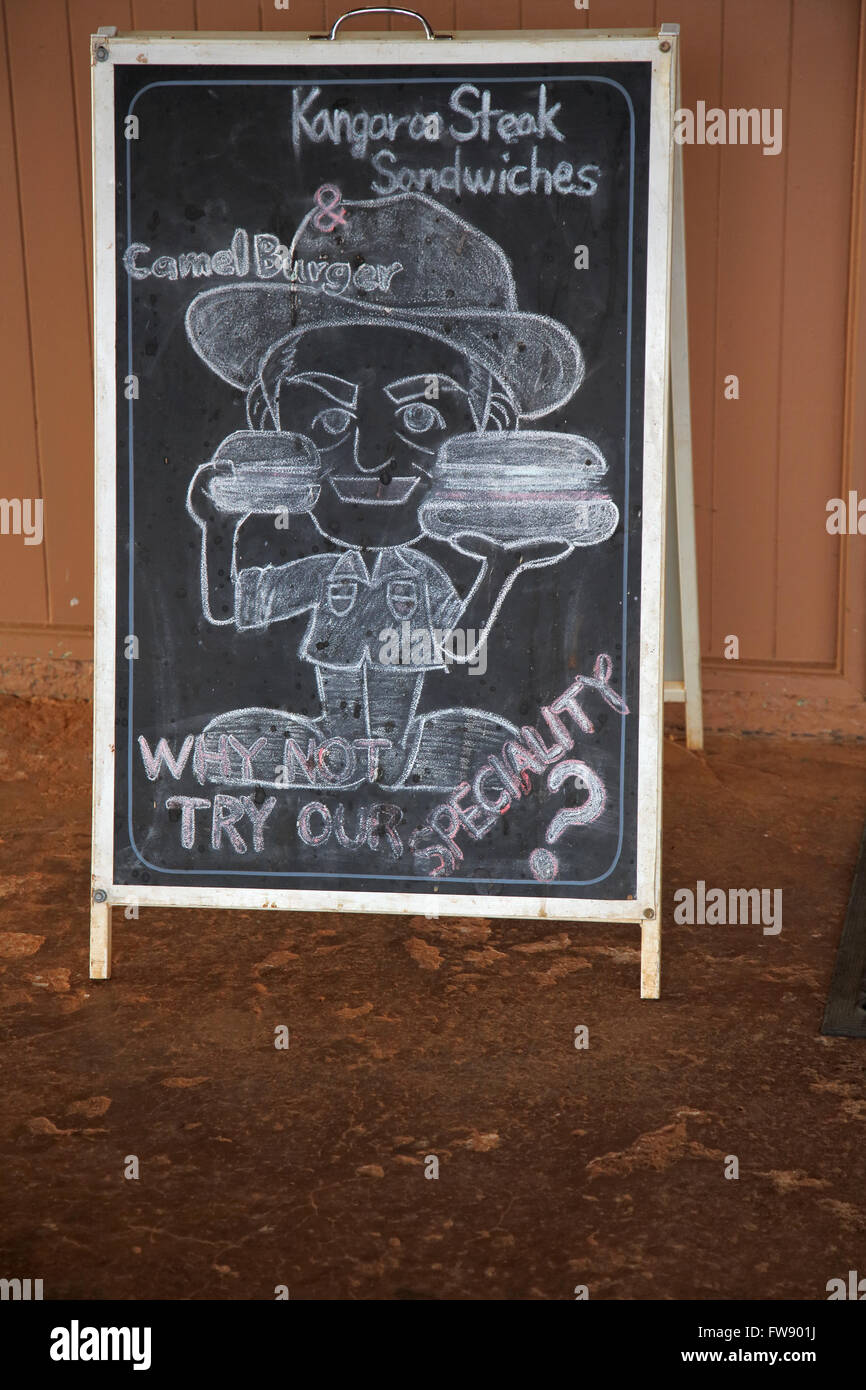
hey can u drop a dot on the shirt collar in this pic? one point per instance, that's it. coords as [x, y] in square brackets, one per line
[351, 566]
[393, 561]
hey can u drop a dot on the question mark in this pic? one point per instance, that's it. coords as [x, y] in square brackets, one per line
[543, 862]
[581, 815]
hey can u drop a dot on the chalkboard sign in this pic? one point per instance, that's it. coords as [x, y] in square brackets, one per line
[382, 347]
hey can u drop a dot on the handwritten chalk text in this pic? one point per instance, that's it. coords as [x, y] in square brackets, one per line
[475, 807]
[470, 118]
[478, 119]
[264, 258]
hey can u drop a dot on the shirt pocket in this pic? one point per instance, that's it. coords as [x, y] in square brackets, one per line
[401, 596]
[341, 596]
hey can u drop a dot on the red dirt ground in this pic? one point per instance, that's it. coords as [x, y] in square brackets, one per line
[410, 1037]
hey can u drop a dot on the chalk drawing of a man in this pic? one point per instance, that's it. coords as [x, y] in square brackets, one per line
[389, 332]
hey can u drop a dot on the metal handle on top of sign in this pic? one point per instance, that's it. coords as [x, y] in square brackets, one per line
[381, 9]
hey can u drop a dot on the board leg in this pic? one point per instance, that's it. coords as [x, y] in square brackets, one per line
[650, 959]
[100, 941]
[684, 493]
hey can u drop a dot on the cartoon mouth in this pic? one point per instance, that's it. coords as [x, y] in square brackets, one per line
[353, 487]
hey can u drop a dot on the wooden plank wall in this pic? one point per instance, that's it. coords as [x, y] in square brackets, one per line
[773, 294]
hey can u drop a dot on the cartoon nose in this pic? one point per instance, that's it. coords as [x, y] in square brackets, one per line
[374, 443]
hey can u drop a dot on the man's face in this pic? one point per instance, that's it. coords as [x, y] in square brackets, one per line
[378, 404]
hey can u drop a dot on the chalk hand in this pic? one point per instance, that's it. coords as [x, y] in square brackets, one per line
[479, 546]
[534, 554]
[199, 501]
[528, 555]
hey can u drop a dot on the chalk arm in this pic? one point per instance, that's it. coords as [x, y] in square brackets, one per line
[498, 571]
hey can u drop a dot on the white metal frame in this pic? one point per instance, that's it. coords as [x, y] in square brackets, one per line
[646, 46]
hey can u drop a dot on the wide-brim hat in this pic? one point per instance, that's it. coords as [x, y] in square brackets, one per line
[439, 276]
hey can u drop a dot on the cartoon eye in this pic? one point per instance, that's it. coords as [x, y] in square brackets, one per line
[334, 420]
[419, 417]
